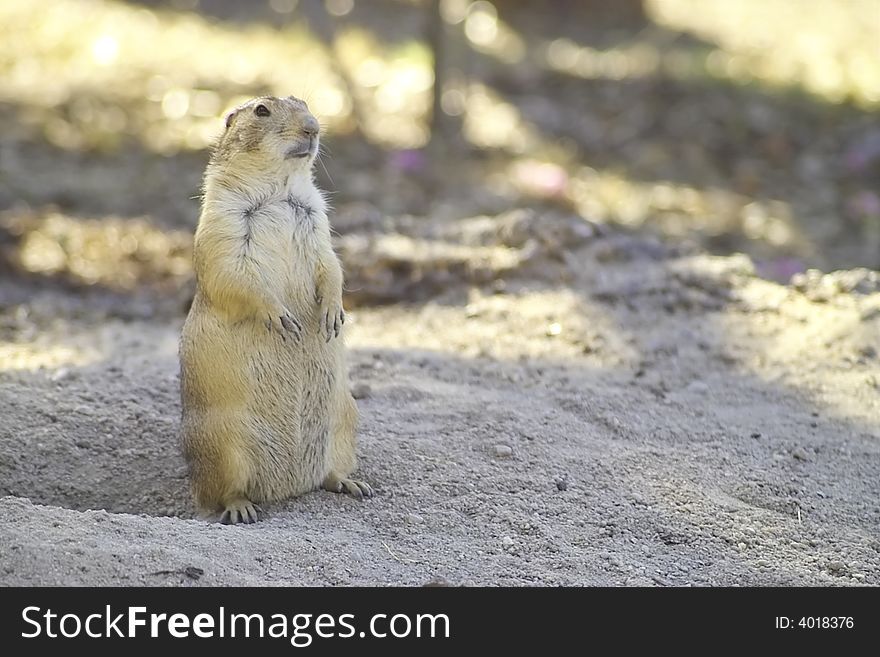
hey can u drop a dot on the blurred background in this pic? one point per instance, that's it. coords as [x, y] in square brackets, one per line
[747, 126]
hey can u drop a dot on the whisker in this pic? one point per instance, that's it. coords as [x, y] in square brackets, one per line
[321, 161]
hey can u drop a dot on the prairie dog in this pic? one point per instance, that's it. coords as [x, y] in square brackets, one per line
[267, 412]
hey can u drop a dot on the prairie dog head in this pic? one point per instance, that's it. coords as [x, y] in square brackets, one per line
[269, 132]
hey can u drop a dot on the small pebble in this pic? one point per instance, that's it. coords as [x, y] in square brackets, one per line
[503, 451]
[561, 484]
[799, 454]
[414, 519]
[361, 390]
[192, 572]
[836, 566]
[554, 329]
[507, 542]
[437, 582]
[60, 374]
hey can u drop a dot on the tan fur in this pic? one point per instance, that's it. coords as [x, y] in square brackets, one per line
[267, 413]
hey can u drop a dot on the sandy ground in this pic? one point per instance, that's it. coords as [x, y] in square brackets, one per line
[622, 414]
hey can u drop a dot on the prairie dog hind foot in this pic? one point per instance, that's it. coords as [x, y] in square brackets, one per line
[238, 511]
[353, 487]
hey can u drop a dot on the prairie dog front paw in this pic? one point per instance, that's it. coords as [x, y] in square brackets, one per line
[284, 323]
[331, 317]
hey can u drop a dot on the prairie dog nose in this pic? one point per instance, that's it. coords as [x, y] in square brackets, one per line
[310, 125]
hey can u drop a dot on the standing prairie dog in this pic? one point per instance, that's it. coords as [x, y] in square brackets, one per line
[267, 412]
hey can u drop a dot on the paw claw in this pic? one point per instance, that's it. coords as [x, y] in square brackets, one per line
[331, 323]
[366, 489]
[357, 489]
[240, 511]
[289, 325]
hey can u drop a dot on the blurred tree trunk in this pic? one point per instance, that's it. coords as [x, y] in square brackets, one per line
[436, 36]
[451, 55]
[615, 12]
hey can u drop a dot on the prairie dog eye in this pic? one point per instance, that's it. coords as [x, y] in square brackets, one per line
[261, 110]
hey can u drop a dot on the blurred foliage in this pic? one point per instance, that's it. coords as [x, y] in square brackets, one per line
[747, 125]
[120, 254]
[827, 47]
[165, 75]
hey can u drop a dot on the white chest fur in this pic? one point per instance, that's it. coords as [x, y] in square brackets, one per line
[277, 231]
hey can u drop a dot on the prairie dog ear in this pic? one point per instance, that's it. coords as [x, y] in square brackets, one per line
[230, 116]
